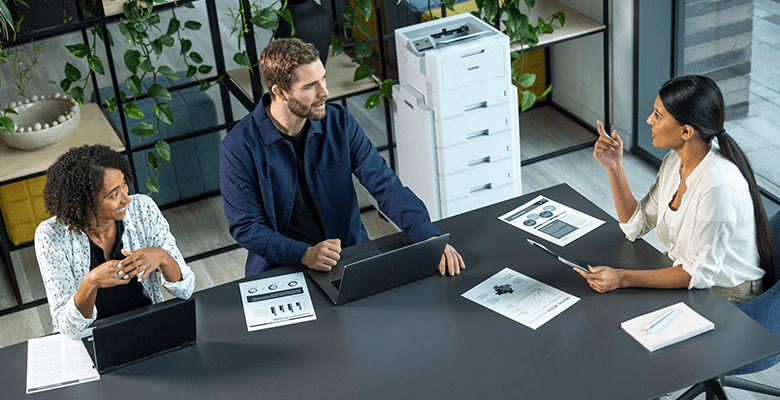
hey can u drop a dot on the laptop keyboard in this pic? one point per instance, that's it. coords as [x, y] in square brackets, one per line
[336, 283]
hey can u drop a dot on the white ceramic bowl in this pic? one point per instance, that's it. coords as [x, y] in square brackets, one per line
[42, 121]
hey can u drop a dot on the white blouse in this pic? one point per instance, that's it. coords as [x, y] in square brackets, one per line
[64, 260]
[713, 233]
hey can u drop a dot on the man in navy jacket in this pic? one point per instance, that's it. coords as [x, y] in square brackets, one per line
[286, 172]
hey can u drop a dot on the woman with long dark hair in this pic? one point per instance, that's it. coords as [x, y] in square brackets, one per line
[704, 204]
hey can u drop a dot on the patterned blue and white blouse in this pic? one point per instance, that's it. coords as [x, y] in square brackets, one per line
[64, 260]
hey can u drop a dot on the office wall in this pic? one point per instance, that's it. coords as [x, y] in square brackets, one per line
[577, 75]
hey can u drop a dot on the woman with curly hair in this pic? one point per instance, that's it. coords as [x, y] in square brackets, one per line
[103, 252]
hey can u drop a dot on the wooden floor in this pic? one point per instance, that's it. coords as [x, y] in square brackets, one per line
[201, 226]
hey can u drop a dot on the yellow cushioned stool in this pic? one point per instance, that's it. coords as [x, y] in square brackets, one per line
[21, 204]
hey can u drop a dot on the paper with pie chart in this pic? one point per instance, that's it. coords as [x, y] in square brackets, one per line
[276, 301]
[523, 299]
[551, 221]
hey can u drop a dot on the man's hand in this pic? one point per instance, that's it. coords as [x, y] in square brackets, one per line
[451, 261]
[323, 255]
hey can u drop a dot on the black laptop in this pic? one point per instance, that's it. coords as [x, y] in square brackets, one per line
[140, 334]
[380, 269]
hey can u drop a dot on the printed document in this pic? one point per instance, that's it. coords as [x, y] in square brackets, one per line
[276, 301]
[551, 221]
[523, 299]
[57, 361]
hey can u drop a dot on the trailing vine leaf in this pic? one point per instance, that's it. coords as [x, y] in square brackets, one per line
[373, 101]
[96, 65]
[132, 111]
[72, 73]
[191, 71]
[167, 40]
[146, 65]
[164, 113]
[186, 45]
[169, 73]
[196, 58]
[365, 8]
[157, 47]
[362, 50]
[173, 26]
[288, 17]
[154, 161]
[132, 60]
[79, 50]
[78, 94]
[164, 149]
[205, 69]
[242, 59]
[133, 84]
[387, 88]
[143, 129]
[528, 100]
[362, 72]
[160, 92]
[526, 80]
[193, 25]
[337, 45]
[8, 124]
[204, 85]
[266, 19]
[152, 184]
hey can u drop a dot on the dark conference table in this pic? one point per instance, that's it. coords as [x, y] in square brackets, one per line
[423, 340]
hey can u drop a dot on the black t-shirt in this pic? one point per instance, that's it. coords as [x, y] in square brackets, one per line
[305, 223]
[120, 298]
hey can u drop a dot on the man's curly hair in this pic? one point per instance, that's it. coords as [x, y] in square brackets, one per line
[281, 57]
[74, 183]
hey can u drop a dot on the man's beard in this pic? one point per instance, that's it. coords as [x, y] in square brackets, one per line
[297, 108]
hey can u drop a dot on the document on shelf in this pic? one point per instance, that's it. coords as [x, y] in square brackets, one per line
[56, 361]
[523, 299]
[276, 301]
[551, 221]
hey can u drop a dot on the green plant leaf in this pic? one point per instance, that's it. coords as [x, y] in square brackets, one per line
[157, 47]
[363, 28]
[219, 79]
[79, 50]
[151, 183]
[528, 100]
[146, 65]
[362, 50]
[242, 59]
[65, 84]
[8, 124]
[189, 5]
[154, 161]
[169, 73]
[159, 92]
[78, 94]
[10, 111]
[72, 73]
[373, 101]
[111, 104]
[153, 19]
[204, 85]
[526, 80]
[266, 19]
[132, 111]
[387, 88]
[143, 129]
[363, 72]
[193, 25]
[530, 4]
[132, 60]
[205, 69]
[164, 149]
[173, 26]
[560, 16]
[164, 113]
[96, 65]
[365, 7]
[167, 40]
[196, 58]
[338, 46]
[191, 71]
[186, 45]
[133, 84]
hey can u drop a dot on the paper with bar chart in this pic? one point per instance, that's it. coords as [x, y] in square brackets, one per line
[276, 301]
[523, 299]
[551, 221]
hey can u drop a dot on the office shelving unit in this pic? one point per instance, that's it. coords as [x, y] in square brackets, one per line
[96, 127]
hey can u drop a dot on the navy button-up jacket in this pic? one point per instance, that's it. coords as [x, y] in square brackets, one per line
[258, 181]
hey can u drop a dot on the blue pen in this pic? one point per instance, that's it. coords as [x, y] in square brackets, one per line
[660, 323]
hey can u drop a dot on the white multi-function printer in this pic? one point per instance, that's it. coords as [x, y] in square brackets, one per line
[456, 116]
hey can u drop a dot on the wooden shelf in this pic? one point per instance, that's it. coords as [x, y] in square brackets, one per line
[577, 24]
[340, 71]
[93, 128]
[114, 7]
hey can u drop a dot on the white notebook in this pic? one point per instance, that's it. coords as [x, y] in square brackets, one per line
[686, 324]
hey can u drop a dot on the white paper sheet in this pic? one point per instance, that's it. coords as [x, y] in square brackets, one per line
[523, 299]
[276, 301]
[551, 221]
[57, 361]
